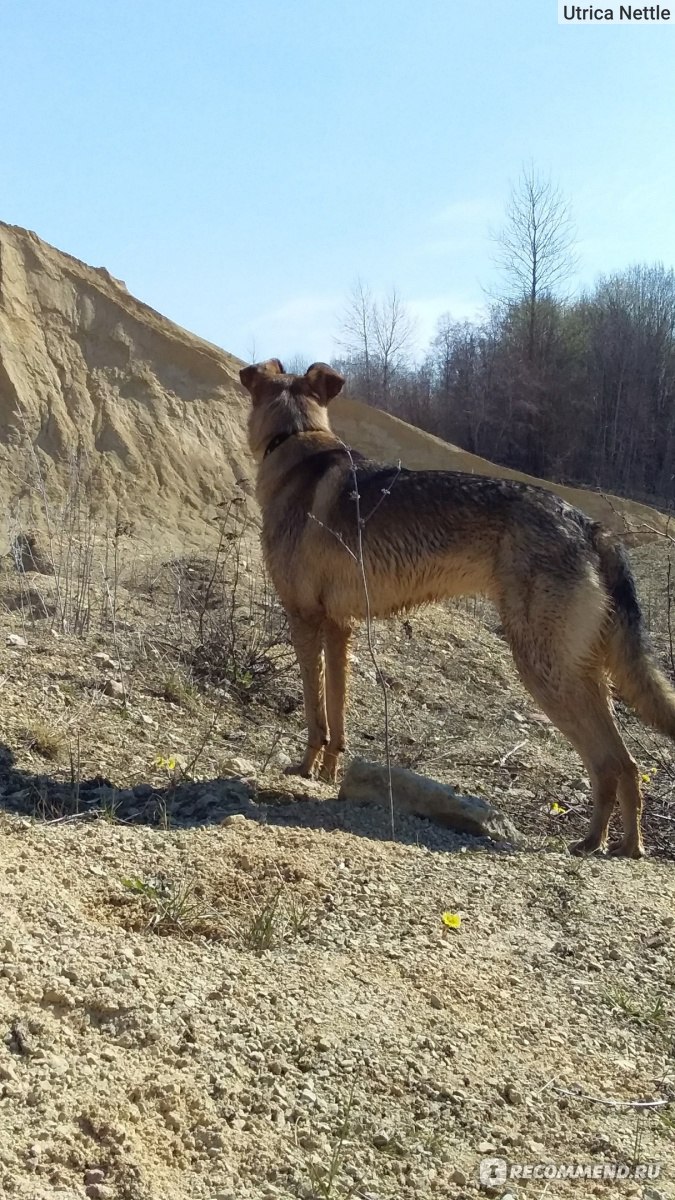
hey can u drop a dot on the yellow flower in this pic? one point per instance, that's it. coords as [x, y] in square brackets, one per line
[557, 809]
[451, 920]
[169, 763]
[646, 778]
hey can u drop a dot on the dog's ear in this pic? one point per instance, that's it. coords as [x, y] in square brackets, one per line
[324, 381]
[250, 376]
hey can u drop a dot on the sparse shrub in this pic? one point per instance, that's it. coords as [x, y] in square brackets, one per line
[178, 690]
[44, 740]
[226, 624]
[78, 547]
[280, 917]
[174, 906]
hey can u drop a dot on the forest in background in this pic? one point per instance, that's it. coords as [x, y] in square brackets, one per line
[578, 389]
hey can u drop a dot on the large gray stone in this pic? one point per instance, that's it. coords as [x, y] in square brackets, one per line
[367, 782]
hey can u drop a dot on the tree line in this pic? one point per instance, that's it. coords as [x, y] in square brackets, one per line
[576, 389]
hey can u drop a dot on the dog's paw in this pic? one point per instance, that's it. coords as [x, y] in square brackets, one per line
[627, 849]
[299, 769]
[328, 772]
[587, 845]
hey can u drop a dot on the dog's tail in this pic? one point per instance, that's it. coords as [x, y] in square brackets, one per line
[631, 665]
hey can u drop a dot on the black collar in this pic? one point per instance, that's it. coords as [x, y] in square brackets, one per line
[277, 441]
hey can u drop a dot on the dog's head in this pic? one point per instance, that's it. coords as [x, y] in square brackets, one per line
[287, 404]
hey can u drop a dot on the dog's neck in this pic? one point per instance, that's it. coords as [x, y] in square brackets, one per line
[278, 441]
[280, 438]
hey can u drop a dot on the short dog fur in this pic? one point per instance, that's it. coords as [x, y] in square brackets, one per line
[561, 582]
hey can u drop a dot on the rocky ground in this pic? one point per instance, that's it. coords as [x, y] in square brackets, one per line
[217, 981]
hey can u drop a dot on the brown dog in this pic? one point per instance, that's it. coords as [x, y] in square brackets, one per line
[339, 530]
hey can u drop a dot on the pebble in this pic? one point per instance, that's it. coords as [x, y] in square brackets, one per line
[113, 688]
[94, 1175]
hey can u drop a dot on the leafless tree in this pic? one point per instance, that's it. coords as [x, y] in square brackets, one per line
[393, 328]
[377, 335]
[535, 247]
[357, 333]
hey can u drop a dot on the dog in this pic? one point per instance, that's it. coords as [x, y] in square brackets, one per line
[345, 538]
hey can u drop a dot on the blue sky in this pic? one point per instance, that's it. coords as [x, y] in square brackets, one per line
[239, 164]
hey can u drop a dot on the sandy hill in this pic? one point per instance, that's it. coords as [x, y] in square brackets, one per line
[158, 412]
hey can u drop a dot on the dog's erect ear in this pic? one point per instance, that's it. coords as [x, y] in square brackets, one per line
[250, 376]
[324, 381]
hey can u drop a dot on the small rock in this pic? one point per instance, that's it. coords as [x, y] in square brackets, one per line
[538, 1149]
[237, 766]
[105, 662]
[111, 687]
[94, 1175]
[16, 640]
[367, 783]
[210, 1139]
[435, 1002]
[513, 1094]
[459, 1177]
[99, 1191]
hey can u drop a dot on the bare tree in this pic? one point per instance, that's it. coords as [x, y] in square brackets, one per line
[356, 327]
[297, 364]
[535, 248]
[393, 328]
[375, 336]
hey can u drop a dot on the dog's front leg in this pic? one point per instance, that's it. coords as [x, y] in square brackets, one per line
[336, 643]
[306, 636]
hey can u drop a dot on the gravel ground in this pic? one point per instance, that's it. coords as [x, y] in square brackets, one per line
[230, 985]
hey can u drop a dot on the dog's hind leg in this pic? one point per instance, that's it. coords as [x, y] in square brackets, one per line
[579, 705]
[336, 648]
[557, 644]
[307, 638]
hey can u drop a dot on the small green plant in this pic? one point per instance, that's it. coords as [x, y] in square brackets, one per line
[178, 690]
[279, 918]
[173, 906]
[326, 1179]
[648, 1014]
[264, 930]
[174, 766]
[109, 809]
